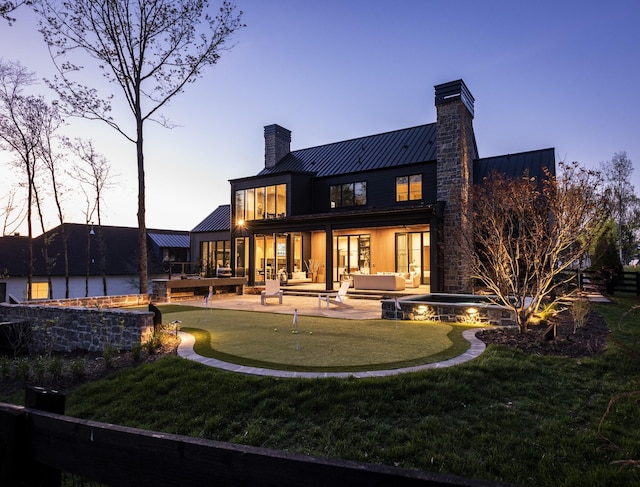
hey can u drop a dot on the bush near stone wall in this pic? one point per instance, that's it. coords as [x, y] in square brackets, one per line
[68, 329]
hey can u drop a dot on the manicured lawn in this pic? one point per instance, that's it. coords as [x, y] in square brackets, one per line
[527, 420]
[271, 340]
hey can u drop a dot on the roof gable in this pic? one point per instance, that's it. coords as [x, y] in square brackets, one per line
[515, 165]
[177, 240]
[389, 149]
[218, 221]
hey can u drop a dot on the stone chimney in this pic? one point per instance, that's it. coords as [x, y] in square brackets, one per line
[277, 144]
[456, 151]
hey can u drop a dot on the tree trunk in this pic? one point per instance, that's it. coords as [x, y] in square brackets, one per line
[30, 234]
[142, 226]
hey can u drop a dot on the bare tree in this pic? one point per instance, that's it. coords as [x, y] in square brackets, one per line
[12, 220]
[527, 233]
[51, 159]
[20, 130]
[150, 49]
[47, 238]
[93, 173]
[7, 8]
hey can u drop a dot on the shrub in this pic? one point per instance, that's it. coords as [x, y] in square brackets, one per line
[108, 353]
[5, 367]
[22, 368]
[78, 368]
[154, 343]
[39, 367]
[579, 312]
[136, 352]
[55, 367]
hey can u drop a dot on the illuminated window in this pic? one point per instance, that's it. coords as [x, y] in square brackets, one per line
[39, 290]
[250, 206]
[415, 187]
[402, 188]
[214, 254]
[261, 203]
[409, 187]
[240, 215]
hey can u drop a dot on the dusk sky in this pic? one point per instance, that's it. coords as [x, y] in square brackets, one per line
[562, 74]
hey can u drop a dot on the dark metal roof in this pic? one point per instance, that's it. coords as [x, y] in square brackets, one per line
[170, 240]
[120, 243]
[389, 149]
[515, 165]
[218, 221]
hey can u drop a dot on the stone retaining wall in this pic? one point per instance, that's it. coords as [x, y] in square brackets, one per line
[120, 301]
[488, 314]
[69, 328]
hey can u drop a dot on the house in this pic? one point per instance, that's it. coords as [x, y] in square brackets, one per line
[211, 243]
[102, 261]
[389, 203]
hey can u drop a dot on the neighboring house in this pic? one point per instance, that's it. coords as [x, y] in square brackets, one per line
[385, 203]
[211, 243]
[99, 257]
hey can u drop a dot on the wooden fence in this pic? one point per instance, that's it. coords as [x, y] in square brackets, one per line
[627, 282]
[36, 446]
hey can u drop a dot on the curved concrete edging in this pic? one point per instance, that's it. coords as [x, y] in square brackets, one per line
[187, 341]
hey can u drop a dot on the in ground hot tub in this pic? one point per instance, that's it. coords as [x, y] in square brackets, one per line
[466, 308]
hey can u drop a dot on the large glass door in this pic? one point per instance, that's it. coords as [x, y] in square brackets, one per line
[242, 256]
[413, 254]
[270, 257]
[350, 254]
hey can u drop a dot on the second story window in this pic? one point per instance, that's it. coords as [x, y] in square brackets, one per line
[264, 202]
[409, 187]
[348, 194]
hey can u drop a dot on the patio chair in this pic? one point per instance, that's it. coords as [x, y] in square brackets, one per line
[336, 298]
[272, 290]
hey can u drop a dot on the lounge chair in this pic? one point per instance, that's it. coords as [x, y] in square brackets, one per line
[272, 290]
[336, 298]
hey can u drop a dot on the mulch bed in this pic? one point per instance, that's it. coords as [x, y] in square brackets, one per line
[95, 369]
[585, 341]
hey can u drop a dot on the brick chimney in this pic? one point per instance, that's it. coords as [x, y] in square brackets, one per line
[277, 144]
[456, 151]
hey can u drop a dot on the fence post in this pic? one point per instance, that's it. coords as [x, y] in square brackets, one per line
[49, 401]
[580, 278]
[13, 449]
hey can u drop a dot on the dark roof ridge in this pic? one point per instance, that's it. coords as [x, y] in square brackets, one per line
[521, 153]
[362, 137]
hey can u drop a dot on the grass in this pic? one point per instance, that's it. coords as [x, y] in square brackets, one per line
[271, 340]
[527, 420]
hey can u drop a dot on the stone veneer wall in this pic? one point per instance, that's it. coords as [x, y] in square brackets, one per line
[455, 154]
[70, 328]
[120, 301]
